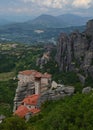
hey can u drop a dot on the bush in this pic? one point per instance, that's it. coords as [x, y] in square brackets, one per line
[13, 123]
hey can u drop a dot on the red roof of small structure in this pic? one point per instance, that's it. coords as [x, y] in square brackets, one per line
[35, 74]
[35, 110]
[28, 72]
[31, 100]
[21, 111]
[38, 75]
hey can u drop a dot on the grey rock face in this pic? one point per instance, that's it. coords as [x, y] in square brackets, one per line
[69, 90]
[22, 91]
[76, 50]
[56, 94]
[41, 61]
[90, 70]
[89, 29]
[63, 56]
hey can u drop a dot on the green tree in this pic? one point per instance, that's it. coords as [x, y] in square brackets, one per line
[13, 123]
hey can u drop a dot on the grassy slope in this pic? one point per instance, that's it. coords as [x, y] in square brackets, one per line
[71, 113]
[6, 76]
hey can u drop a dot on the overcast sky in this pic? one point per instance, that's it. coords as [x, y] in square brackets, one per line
[32, 8]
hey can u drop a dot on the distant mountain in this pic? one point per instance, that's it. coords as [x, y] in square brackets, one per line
[73, 20]
[65, 20]
[4, 22]
[47, 21]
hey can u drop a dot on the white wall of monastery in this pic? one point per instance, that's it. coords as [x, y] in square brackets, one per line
[44, 81]
[37, 87]
[25, 78]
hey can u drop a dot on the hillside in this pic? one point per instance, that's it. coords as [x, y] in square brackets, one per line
[71, 113]
[47, 21]
[4, 22]
[74, 20]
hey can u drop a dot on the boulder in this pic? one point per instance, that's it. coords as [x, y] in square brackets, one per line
[81, 78]
[54, 85]
[69, 90]
[86, 90]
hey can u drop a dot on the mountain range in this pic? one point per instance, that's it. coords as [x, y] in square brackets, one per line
[4, 22]
[49, 21]
[65, 20]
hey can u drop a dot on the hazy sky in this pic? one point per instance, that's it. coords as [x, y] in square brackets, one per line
[31, 8]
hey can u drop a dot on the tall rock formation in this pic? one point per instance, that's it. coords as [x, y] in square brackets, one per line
[76, 51]
[89, 29]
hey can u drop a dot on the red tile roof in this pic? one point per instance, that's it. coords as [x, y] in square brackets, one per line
[21, 111]
[28, 72]
[31, 100]
[35, 73]
[38, 75]
[35, 110]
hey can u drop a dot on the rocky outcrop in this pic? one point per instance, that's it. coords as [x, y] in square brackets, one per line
[63, 56]
[46, 56]
[89, 29]
[54, 85]
[57, 91]
[42, 60]
[56, 94]
[75, 51]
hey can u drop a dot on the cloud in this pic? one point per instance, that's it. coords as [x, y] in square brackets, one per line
[61, 3]
[53, 7]
[48, 3]
[82, 3]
